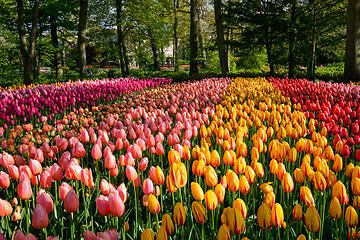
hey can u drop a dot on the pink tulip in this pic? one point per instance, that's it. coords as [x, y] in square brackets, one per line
[96, 152]
[148, 187]
[40, 217]
[110, 161]
[131, 173]
[71, 202]
[64, 190]
[117, 206]
[46, 201]
[78, 151]
[122, 192]
[56, 172]
[4, 180]
[24, 189]
[103, 206]
[35, 167]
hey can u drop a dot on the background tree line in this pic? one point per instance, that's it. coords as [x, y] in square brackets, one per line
[296, 38]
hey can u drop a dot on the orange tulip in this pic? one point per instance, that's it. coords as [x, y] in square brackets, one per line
[273, 167]
[351, 217]
[259, 170]
[306, 196]
[224, 233]
[244, 185]
[301, 237]
[288, 183]
[154, 206]
[269, 199]
[299, 176]
[170, 186]
[319, 181]
[277, 215]
[339, 191]
[174, 156]
[210, 176]
[211, 200]
[147, 234]
[220, 193]
[159, 176]
[235, 221]
[232, 181]
[197, 191]
[264, 217]
[335, 208]
[297, 212]
[349, 169]
[179, 214]
[281, 171]
[356, 202]
[198, 167]
[178, 175]
[355, 186]
[240, 204]
[266, 187]
[215, 158]
[168, 224]
[228, 158]
[250, 174]
[312, 219]
[161, 234]
[338, 163]
[292, 155]
[199, 212]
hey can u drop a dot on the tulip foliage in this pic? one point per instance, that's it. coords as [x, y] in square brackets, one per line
[214, 159]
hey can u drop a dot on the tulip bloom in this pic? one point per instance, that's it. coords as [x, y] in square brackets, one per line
[211, 200]
[288, 183]
[351, 217]
[40, 217]
[117, 207]
[179, 214]
[148, 187]
[240, 204]
[159, 176]
[178, 175]
[297, 212]
[210, 176]
[5, 180]
[168, 224]
[299, 176]
[339, 191]
[277, 215]
[220, 192]
[312, 220]
[355, 186]
[197, 191]
[235, 221]
[244, 185]
[154, 206]
[224, 233]
[306, 196]
[71, 202]
[103, 206]
[335, 208]
[264, 217]
[199, 212]
[147, 234]
[161, 234]
[131, 173]
[5, 208]
[319, 181]
[233, 181]
[24, 189]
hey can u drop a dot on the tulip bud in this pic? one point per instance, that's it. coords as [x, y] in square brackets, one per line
[297, 212]
[235, 221]
[40, 217]
[339, 191]
[197, 191]
[168, 224]
[335, 208]
[199, 212]
[147, 234]
[312, 219]
[240, 204]
[154, 206]
[71, 202]
[288, 183]
[224, 233]
[179, 214]
[351, 217]
[264, 217]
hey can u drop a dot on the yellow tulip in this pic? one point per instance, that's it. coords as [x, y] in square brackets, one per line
[224, 233]
[168, 224]
[235, 221]
[264, 217]
[199, 212]
[211, 200]
[351, 217]
[147, 234]
[197, 191]
[335, 208]
[179, 214]
[312, 220]
[277, 215]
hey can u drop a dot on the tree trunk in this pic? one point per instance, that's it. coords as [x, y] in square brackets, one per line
[81, 38]
[194, 9]
[155, 51]
[269, 52]
[201, 41]
[220, 38]
[175, 49]
[313, 45]
[27, 53]
[55, 43]
[352, 54]
[126, 60]
[292, 40]
[120, 35]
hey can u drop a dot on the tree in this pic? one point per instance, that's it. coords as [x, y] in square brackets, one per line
[220, 38]
[352, 60]
[82, 38]
[27, 52]
[194, 17]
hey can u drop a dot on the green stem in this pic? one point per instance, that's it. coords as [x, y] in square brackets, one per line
[279, 233]
[136, 211]
[27, 216]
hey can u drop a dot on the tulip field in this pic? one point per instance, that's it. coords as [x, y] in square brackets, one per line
[244, 158]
